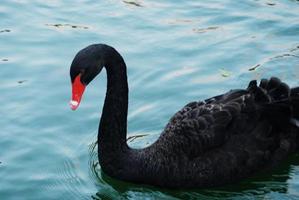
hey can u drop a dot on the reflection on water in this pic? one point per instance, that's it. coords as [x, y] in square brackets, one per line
[66, 25]
[5, 31]
[133, 3]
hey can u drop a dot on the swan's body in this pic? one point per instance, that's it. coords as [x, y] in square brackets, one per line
[218, 141]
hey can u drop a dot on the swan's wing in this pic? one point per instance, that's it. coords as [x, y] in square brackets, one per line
[201, 126]
[195, 109]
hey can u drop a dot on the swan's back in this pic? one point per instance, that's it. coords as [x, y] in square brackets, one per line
[224, 138]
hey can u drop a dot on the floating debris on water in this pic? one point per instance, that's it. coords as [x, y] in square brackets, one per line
[132, 138]
[5, 31]
[132, 2]
[204, 30]
[22, 81]
[285, 55]
[254, 67]
[4, 60]
[295, 49]
[67, 25]
[179, 21]
[271, 4]
[270, 59]
[225, 73]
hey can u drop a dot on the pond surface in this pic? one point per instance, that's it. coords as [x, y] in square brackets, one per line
[176, 52]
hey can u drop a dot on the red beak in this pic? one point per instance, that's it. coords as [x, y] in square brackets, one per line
[77, 92]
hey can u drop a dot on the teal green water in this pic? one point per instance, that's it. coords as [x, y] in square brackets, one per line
[176, 52]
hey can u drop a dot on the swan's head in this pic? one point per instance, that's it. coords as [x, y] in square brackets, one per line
[86, 65]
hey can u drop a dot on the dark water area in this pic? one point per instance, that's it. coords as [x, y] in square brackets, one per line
[176, 52]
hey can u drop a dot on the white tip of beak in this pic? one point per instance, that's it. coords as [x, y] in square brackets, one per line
[74, 104]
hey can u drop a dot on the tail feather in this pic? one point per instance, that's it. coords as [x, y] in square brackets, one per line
[295, 101]
[264, 83]
[273, 83]
[276, 100]
[271, 90]
[295, 106]
[281, 91]
[295, 92]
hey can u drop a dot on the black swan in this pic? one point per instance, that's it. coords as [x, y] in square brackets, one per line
[207, 143]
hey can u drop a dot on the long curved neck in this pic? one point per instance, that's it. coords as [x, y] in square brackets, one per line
[113, 124]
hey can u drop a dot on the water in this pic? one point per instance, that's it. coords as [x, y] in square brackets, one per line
[176, 52]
